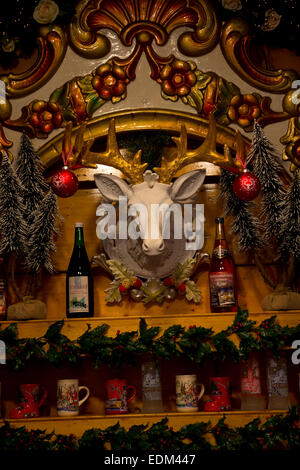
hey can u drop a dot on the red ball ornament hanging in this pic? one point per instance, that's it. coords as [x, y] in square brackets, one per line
[246, 186]
[64, 182]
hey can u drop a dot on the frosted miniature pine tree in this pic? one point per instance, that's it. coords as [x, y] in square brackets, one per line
[41, 244]
[289, 238]
[245, 224]
[13, 227]
[267, 167]
[29, 169]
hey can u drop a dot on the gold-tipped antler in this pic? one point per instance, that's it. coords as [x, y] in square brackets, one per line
[82, 156]
[205, 152]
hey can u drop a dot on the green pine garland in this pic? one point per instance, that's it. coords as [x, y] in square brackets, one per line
[195, 342]
[279, 432]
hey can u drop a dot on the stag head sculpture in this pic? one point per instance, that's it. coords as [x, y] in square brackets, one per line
[152, 254]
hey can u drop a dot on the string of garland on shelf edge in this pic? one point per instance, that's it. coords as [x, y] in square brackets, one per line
[195, 342]
[278, 432]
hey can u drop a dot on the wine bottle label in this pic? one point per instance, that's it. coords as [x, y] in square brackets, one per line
[221, 289]
[78, 294]
[250, 382]
[220, 252]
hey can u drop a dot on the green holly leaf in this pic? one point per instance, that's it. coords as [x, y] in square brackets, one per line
[53, 332]
[183, 271]
[113, 293]
[192, 293]
[119, 270]
[10, 333]
[147, 334]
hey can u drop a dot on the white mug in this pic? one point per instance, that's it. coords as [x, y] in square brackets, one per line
[187, 393]
[68, 402]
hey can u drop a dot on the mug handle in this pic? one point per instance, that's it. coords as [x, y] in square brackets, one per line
[82, 387]
[45, 394]
[201, 391]
[131, 387]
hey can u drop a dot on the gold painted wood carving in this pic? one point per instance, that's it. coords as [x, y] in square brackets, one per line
[140, 25]
[129, 121]
[130, 18]
[52, 46]
[78, 99]
[291, 140]
[236, 48]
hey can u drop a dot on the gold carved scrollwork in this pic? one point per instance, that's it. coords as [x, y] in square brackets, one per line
[291, 140]
[206, 35]
[236, 48]
[129, 18]
[52, 46]
[88, 43]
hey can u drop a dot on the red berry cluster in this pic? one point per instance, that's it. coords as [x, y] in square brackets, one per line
[169, 282]
[238, 325]
[134, 282]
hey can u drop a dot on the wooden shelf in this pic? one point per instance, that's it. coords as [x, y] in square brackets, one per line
[73, 328]
[79, 424]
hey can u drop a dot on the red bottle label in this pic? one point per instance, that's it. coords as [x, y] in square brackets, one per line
[221, 289]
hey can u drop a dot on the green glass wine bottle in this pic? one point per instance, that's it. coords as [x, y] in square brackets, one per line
[79, 280]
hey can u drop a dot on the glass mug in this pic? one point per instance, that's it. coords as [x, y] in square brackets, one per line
[187, 393]
[152, 395]
[68, 402]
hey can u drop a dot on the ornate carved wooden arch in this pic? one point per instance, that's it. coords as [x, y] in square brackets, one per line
[147, 22]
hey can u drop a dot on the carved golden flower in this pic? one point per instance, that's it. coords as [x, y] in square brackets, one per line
[46, 116]
[177, 78]
[110, 81]
[244, 109]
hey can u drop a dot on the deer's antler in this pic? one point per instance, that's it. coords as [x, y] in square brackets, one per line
[205, 152]
[82, 156]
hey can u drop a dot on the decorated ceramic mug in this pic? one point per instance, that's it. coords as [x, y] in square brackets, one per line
[117, 399]
[31, 397]
[68, 402]
[188, 393]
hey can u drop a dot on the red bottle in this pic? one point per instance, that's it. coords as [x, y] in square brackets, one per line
[222, 280]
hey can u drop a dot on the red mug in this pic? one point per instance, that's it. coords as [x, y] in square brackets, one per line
[219, 387]
[30, 401]
[117, 399]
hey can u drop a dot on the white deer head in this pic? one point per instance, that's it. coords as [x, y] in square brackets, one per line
[150, 256]
[153, 199]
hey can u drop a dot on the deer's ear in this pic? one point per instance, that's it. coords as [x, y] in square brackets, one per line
[111, 187]
[187, 185]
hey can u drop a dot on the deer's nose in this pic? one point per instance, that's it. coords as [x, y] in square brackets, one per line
[154, 246]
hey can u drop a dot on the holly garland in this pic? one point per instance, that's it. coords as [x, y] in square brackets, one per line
[279, 432]
[195, 343]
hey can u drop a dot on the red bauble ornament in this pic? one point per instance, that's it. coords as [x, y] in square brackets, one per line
[64, 183]
[246, 186]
